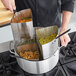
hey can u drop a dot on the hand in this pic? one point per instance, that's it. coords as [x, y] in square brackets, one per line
[9, 4]
[65, 38]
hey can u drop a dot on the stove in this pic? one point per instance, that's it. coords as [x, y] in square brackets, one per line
[9, 66]
[65, 67]
[68, 53]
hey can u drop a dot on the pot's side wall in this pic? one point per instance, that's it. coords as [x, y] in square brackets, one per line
[39, 67]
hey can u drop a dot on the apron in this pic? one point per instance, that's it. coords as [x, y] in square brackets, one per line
[45, 12]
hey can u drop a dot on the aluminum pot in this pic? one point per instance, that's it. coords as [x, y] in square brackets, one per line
[38, 67]
[42, 66]
[47, 49]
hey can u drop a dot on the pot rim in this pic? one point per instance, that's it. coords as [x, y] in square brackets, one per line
[38, 60]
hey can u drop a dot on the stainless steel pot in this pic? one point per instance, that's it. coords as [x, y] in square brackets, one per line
[48, 48]
[43, 66]
[38, 67]
[51, 57]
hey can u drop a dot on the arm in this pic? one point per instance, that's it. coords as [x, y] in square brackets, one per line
[67, 9]
[66, 15]
[9, 4]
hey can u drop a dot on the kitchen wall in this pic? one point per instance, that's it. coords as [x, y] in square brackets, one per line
[72, 23]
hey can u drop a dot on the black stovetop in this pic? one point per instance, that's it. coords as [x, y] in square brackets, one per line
[65, 67]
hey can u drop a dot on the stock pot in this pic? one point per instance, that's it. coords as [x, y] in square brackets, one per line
[50, 57]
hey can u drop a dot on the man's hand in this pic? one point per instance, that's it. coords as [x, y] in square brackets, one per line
[65, 38]
[9, 4]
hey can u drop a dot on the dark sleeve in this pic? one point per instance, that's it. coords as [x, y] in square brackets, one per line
[67, 5]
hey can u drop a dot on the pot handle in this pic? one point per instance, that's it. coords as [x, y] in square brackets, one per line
[11, 50]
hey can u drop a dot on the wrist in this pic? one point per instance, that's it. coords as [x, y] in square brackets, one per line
[64, 26]
[63, 29]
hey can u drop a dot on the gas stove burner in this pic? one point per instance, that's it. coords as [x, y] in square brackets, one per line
[69, 50]
[68, 53]
[9, 66]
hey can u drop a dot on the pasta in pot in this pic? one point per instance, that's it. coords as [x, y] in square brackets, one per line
[28, 50]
